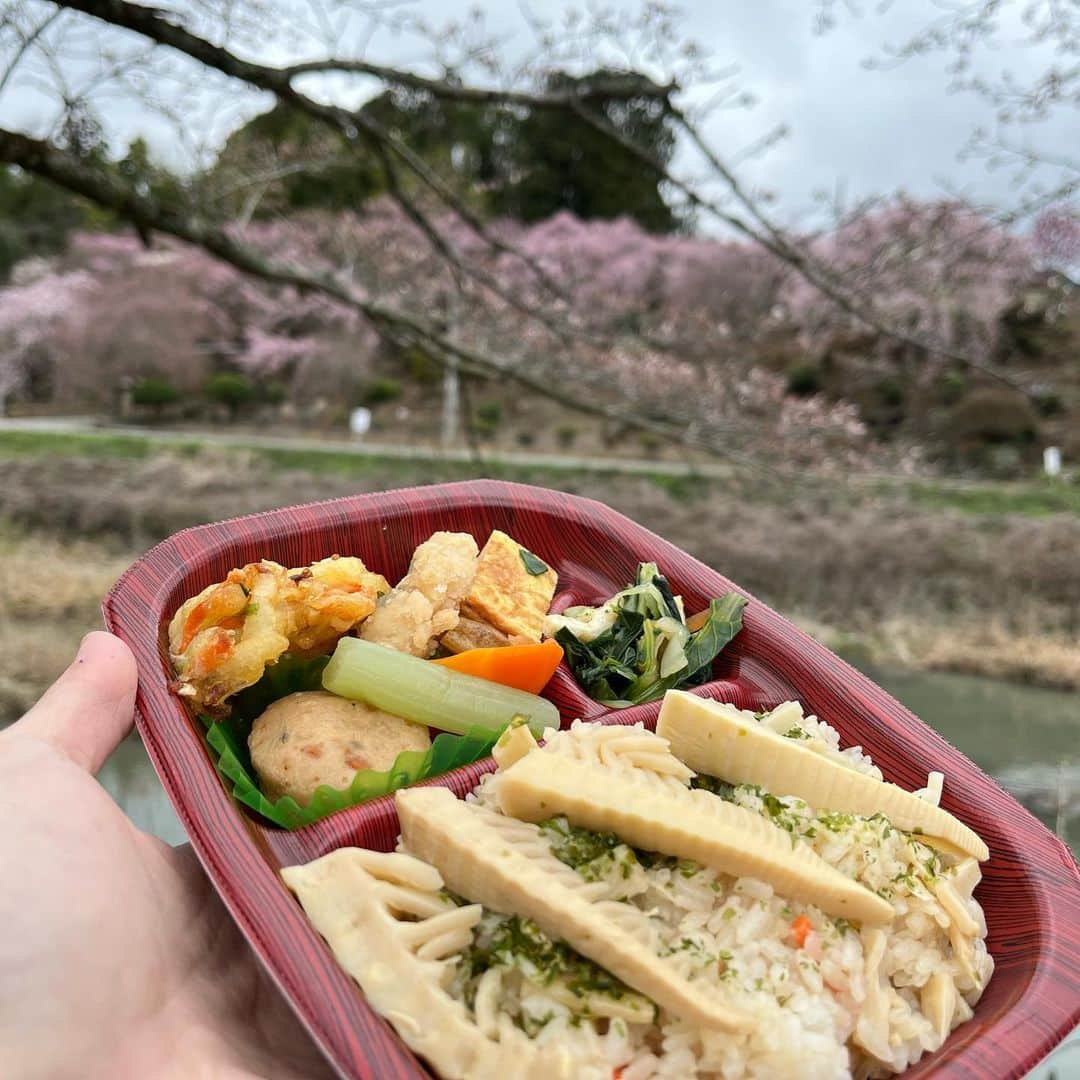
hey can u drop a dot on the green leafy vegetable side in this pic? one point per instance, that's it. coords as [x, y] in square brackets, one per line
[228, 741]
[535, 566]
[723, 623]
[643, 647]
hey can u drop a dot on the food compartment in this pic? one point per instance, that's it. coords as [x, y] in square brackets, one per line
[375, 825]
[633, 638]
[743, 680]
[1029, 889]
[385, 544]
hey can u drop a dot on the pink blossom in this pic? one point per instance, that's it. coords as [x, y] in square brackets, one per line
[1055, 233]
[938, 271]
[268, 353]
[29, 313]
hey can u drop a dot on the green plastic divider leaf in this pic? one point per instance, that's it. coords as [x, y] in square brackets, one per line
[228, 740]
[446, 752]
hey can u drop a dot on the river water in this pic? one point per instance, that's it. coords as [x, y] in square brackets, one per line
[1027, 738]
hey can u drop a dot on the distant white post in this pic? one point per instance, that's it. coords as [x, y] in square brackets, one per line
[451, 382]
[360, 421]
[1052, 461]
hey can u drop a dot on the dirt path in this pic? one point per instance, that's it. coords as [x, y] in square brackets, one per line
[91, 426]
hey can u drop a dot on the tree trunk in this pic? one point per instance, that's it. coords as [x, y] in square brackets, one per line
[451, 403]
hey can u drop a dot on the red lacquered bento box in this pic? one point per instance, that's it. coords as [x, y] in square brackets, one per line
[1030, 891]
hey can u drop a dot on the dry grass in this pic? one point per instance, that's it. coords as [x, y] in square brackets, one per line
[989, 649]
[859, 564]
[970, 646]
[989, 593]
[50, 595]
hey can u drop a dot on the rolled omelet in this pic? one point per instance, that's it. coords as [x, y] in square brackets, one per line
[512, 589]
[313, 738]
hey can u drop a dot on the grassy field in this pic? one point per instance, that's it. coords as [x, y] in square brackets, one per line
[927, 575]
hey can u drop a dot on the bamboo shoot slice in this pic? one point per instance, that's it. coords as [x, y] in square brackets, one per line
[872, 1024]
[352, 897]
[954, 906]
[506, 865]
[515, 742]
[938, 999]
[643, 810]
[713, 738]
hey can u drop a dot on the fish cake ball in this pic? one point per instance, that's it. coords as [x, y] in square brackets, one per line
[315, 737]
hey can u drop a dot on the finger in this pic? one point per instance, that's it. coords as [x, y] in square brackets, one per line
[90, 708]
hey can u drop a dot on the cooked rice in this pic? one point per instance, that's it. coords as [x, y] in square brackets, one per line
[814, 1004]
[814, 733]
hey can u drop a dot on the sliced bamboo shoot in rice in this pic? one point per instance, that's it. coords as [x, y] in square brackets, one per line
[953, 904]
[872, 1025]
[944, 846]
[656, 813]
[938, 999]
[357, 899]
[506, 866]
[515, 742]
[966, 875]
[715, 739]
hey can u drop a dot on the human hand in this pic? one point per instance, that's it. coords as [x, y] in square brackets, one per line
[116, 957]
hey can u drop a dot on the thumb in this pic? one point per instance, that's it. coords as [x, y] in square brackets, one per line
[90, 708]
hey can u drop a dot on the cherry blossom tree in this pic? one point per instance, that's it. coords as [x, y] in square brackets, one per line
[29, 314]
[697, 312]
[1055, 234]
[942, 269]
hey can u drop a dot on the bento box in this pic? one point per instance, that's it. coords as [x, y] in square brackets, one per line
[1030, 890]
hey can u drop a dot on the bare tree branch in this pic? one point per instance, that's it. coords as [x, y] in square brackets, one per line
[25, 44]
[278, 81]
[975, 36]
[606, 87]
[569, 324]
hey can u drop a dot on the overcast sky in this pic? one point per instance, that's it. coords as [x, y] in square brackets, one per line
[851, 129]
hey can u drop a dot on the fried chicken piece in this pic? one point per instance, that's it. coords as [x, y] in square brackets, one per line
[424, 604]
[222, 640]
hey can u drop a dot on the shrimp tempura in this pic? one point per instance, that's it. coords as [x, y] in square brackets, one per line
[222, 640]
